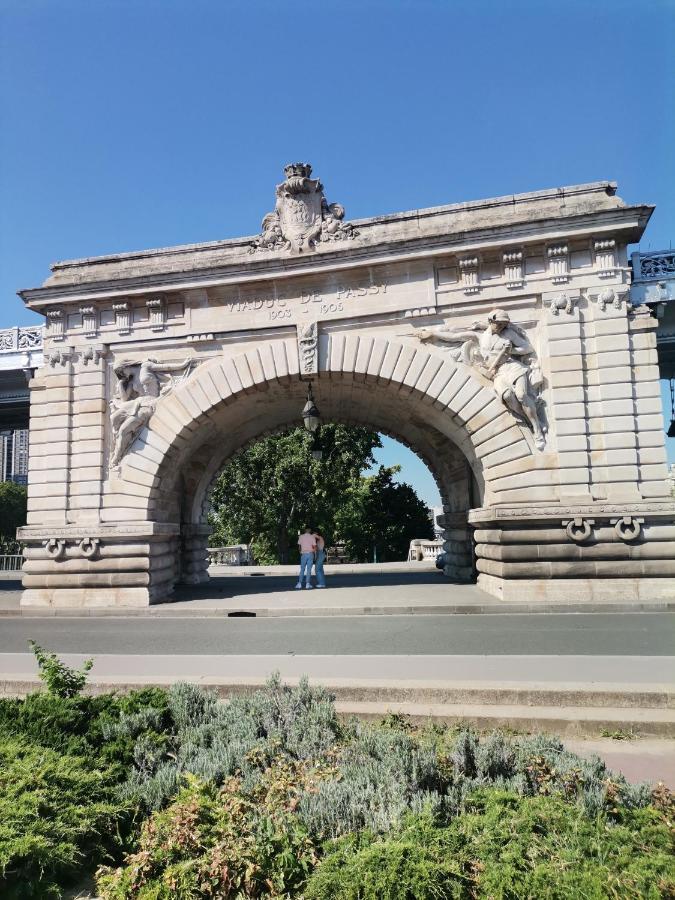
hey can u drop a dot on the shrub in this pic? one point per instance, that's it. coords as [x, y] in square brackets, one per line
[57, 813]
[60, 679]
[219, 842]
[215, 741]
[84, 725]
[504, 846]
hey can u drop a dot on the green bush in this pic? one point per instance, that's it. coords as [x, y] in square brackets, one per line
[87, 726]
[61, 680]
[246, 794]
[215, 741]
[58, 813]
[504, 846]
[61, 812]
[13, 503]
[220, 842]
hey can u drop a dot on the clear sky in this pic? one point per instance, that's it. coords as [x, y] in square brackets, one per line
[128, 124]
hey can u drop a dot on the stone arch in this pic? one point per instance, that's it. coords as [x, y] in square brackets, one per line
[443, 409]
[448, 396]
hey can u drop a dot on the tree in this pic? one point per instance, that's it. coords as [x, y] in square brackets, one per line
[266, 494]
[13, 503]
[379, 518]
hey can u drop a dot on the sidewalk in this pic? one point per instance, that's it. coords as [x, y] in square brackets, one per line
[577, 696]
[352, 590]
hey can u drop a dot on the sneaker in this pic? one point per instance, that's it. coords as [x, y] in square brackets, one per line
[310, 587]
[298, 587]
[321, 585]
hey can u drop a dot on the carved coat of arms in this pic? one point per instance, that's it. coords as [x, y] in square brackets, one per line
[302, 216]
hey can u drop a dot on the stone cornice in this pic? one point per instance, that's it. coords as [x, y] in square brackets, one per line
[599, 509]
[628, 221]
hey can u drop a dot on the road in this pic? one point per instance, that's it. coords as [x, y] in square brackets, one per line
[602, 634]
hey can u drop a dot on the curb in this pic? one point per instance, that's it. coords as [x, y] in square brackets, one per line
[167, 610]
[648, 710]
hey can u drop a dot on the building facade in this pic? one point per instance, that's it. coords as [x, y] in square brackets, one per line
[496, 338]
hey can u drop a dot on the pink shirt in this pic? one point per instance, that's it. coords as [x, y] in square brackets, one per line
[306, 543]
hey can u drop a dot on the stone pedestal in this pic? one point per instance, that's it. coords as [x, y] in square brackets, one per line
[457, 547]
[194, 554]
[595, 552]
[132, 565]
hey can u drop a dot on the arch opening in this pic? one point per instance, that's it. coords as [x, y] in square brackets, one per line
[424, 399]
[184, 495]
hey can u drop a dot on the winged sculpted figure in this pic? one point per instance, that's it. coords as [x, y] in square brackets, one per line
[139, 387]
[501, 352]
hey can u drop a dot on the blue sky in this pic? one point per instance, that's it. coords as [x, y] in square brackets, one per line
[146, 123]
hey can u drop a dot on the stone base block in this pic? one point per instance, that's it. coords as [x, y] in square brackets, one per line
[577, 554]
[82, 598]
[579, 590]
[104, 566]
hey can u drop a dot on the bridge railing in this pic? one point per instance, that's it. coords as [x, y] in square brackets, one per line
[17, 338]
[11, 562]
[236, 555]
[424, 550]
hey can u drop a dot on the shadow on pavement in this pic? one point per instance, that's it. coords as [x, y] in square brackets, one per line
[221, 586]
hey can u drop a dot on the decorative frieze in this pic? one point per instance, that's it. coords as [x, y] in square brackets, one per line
[469, 274]
[654, 265]
[605, 258]
[608, 298]
[59, 358]
[559, 263]
[13, 339]
[55, 322]
[157, 312]
[513, 268]
[122, 312]
[561, 303]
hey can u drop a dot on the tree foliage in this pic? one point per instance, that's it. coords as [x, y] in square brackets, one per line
[270, 491]
[379, 517]
[13, 502]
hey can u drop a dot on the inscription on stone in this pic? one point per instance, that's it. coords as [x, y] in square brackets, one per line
[279, 306]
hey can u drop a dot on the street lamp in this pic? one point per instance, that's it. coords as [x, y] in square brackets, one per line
[312, 420]
[310, 413]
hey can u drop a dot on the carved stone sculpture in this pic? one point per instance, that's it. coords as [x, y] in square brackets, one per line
[501, 351]
[308, 345]
[139, 387]
[302, 216]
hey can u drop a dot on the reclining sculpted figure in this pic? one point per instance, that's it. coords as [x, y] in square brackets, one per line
[501, 352]
[139, 387]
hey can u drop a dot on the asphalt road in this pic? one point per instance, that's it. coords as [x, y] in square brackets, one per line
[602, 634]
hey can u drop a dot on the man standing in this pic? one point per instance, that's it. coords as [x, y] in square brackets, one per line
[307, 545]
[319, 559]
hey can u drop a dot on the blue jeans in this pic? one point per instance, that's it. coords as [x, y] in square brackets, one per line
[306, 560]
[320, 560]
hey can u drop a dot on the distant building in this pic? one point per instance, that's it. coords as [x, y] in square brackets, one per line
[20, 354]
